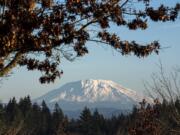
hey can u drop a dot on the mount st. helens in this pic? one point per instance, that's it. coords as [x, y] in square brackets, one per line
[101, 94]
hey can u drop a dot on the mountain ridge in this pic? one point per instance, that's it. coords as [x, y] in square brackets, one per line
[93, 94]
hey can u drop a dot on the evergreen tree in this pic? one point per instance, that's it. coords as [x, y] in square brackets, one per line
[62, 128]
[177, 105]
[45, 120]
[58, 113]
[57, 119]
[25, 105]
[12, 110]
[13, 117]
[159, 119]
[85, 122]
[36, 119]
[1, 108]
[97, 123]
[1, 118]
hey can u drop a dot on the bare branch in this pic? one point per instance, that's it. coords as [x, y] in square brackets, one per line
[11, 64]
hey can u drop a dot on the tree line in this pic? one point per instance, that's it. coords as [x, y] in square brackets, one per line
[26, 118]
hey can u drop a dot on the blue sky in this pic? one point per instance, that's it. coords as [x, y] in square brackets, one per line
[103, 62]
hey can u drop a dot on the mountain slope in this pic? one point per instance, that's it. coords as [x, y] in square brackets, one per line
[93, 94]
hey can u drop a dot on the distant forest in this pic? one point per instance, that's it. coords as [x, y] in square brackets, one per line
[25, 118]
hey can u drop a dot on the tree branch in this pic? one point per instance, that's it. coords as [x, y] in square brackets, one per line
[11, 64]
[124, 3]
[98, 41]
[87, 24]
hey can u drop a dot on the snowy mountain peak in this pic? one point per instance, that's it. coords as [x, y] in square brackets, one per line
[107, 96]
[93, 93]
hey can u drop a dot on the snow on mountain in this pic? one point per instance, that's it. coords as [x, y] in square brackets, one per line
[102, 94]
[93, 94]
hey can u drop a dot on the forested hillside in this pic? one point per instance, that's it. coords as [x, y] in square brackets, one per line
[25, 118]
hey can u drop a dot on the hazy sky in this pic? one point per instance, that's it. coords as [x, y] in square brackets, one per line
[103, 62]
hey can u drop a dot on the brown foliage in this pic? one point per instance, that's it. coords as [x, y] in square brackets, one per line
[147, 122]
[50, 29]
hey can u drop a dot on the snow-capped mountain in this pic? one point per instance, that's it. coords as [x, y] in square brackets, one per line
[102, 94]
